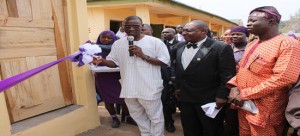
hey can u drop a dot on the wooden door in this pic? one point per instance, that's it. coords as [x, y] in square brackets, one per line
[32, 33]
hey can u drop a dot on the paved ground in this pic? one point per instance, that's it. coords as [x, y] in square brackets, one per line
[129, 130]
[125, 129]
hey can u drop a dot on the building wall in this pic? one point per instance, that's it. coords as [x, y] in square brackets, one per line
[157, 12]
[99, 19]
[80, 119]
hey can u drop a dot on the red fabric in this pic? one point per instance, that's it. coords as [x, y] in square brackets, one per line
[265, 79]
[249, 54]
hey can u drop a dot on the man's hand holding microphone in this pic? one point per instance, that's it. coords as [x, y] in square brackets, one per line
[133, 49]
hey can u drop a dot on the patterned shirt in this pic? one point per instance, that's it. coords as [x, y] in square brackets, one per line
[265, 75]
[139, 78]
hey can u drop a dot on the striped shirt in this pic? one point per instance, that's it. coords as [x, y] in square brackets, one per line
[139, 78]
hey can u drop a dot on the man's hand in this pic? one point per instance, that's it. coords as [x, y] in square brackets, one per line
[97, 60]
[220, 102]
[238, 101]
[233, 93]
[137, 51]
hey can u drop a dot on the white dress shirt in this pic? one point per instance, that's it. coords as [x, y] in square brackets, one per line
[189, 53]
[180, 37]
[139, 78]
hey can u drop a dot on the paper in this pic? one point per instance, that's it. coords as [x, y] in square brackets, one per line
[210, 109]
[101, 69]
[250, 106]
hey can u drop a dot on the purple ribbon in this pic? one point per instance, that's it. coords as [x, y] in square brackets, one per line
[11, 81]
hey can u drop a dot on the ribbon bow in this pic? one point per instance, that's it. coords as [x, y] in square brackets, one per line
[87, 52]
[194, 45]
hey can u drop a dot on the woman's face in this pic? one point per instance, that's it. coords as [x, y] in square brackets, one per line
[106, 39]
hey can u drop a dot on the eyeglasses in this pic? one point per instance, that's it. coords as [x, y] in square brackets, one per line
[134, 26]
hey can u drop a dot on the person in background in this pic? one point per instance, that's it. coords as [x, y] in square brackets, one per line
[209, 33]
[293, 35]
[108, 83]
[226, 37]
[239, 35]
[147, 29]
[203, 66]
[140, 75]
[179, 35]
[121, 33]
[168, 74]
[268, 68]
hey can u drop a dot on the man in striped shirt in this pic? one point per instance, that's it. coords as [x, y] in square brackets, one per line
[140, 75]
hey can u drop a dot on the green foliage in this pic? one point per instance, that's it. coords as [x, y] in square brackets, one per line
[291, 25]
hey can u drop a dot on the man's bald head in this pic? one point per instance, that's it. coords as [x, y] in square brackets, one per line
[147, 29]
[195, 31]
[198, 24]
[168, 33]
[171, 30]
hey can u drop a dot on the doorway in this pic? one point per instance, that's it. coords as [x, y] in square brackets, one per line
[115, 25]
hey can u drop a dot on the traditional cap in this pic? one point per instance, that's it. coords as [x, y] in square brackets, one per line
[292, 35]
[270, 13]
[241, 29]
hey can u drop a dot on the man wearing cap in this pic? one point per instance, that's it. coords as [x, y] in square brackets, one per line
[267, 69]
[238, 36]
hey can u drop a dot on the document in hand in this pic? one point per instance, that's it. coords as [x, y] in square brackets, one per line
[250, 106]
[210, 109]
[103, 69]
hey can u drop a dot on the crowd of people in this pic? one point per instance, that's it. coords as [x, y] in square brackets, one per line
[187, 68]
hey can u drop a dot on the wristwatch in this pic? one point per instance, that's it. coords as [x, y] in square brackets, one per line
[146, 57]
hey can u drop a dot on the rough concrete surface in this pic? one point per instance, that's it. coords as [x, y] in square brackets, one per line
[125, 129]
[129, 130]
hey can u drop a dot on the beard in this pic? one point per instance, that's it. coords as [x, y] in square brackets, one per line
[239, 45]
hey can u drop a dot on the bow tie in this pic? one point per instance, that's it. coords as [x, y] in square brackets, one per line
[194, 45]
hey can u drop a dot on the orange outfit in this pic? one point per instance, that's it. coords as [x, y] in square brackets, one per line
[264, 77]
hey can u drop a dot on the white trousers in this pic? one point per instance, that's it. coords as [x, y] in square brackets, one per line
[148, 114]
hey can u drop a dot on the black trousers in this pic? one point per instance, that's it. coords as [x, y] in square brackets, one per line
[196, 123]
[169, 105]
[231, 125]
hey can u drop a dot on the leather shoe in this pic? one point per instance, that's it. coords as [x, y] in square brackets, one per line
[130, 120]
[170, 128]
[115, 122]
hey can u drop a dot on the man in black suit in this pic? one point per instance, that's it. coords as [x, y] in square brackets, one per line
[168, 75]
[203, 67]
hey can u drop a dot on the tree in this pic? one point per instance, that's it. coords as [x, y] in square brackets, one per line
[291, 25]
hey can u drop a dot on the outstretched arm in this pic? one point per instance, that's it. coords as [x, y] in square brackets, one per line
[104, 62]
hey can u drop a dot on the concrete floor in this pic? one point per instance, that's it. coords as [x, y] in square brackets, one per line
[129, 130]
[125, 129]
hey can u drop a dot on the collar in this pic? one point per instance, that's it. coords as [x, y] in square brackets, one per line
[200, 42]
[238, 49]
[171, 41]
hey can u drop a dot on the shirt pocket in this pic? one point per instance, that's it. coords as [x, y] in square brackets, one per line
[261, 65]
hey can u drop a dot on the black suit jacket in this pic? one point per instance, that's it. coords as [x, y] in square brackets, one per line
[172, 47]
[206, 75]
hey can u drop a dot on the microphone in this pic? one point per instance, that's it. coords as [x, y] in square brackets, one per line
[130, 42]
